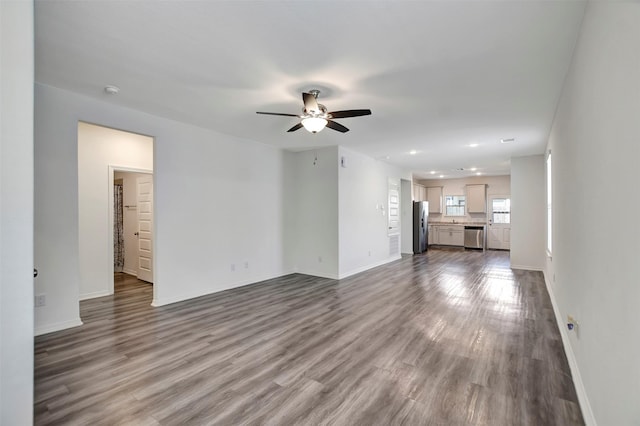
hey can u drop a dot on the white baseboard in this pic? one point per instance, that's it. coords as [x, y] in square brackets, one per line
[317, 274]
[585, 406]
[192, 295]
[130, 272]
[93, 295]
[50, 328]
[367, 267]
[527, 268]
[186, 296]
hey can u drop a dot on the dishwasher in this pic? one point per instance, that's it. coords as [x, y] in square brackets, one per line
[474, 237]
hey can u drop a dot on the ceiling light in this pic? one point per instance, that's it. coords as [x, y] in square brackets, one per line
[433, 172]
[111, 90]
[507, 140]
[314, 124]
[413, 152]
[473, 145]
[441, 176]
[478, 174]
[473, 169]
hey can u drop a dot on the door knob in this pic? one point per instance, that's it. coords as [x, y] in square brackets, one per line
[35, 272]
[136, 234]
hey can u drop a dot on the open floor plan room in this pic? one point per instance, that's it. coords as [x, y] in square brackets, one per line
[449, 337]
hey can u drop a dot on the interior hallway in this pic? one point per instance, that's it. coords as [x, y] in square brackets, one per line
[444, 338]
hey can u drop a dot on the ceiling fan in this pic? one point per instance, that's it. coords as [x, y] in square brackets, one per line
[315, 117]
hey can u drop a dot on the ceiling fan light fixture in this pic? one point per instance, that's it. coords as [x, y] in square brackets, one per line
[315, 116]
[314, 124]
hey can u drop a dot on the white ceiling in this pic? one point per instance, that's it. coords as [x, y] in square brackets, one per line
[437, 75]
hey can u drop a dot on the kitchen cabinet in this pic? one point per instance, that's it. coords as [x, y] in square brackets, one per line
[432, 238]
[434, 197]
[476, 198]
[419, 193]
[450, 235]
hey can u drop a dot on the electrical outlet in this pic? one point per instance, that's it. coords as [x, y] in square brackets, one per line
[572, 324]
[40, 300]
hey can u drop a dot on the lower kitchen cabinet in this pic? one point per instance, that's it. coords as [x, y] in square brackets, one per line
[450, 235]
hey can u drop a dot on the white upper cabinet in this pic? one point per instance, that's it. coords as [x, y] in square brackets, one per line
[477, 198]
[419, 193]
[434, 197]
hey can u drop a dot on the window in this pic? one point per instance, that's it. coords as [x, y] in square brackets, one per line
[549, 202]
[501, 210]
[454, 205]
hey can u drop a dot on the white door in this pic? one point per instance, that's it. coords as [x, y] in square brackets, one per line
[394, 208]
[499, 223]
[144, 193]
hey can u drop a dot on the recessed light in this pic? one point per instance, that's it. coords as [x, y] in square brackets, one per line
[413, 152]
[507, 140]
[473, 169]
[478, 174]
[433, 172]
[473, 145]
[441, 176]
[111, 90]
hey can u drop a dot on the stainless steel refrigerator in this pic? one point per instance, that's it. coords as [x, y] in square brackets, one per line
[420, 226]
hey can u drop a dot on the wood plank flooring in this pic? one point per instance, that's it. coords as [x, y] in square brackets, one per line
[444, 338]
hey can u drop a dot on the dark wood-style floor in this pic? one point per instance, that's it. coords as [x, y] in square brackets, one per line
[445, 338]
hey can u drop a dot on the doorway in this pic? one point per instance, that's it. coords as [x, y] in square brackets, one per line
[133, 223]
[102, 152]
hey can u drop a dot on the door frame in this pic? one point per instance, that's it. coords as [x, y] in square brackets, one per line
[112, 169]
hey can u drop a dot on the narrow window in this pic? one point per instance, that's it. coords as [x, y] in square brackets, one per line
[549, 207]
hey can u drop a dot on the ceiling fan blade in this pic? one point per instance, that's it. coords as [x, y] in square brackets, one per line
[296, 127]
[310, 102]
[336, 126]
[277, 113]
[350, 113]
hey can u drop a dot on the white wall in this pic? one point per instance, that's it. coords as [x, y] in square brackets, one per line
[528, 212]
[98, 148]
[496, 185]
[334, 214]
[363, 209]
[406, 219]
[314, 248]
[130, 219]
[595, 270]
[218, 201]
[228, 212]
[16, 212]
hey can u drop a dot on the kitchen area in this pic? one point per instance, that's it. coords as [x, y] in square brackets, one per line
[468, 213]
